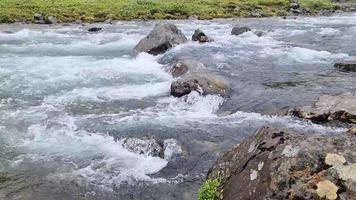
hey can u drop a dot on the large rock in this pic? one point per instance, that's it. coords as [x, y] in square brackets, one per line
[280, 164]
[240, 30]
[330, 108]
[194, 76]
[201, 37]
[160, 39]
[348, 66]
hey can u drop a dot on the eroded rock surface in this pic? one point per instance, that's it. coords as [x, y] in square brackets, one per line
[160, 39]
[280, 164]
[330, 108]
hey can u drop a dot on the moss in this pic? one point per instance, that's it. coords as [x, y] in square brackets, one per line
[210, 190]
[98, 10]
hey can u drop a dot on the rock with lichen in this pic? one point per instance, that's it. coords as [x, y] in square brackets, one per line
[281, 164]
[330, 108]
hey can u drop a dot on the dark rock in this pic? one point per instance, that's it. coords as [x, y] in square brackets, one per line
[259, 33]
[160, 39]
[38, 16]
[280, 164]
[240, 30]
[39, 19]
[149, 147]
[330, 108]
[201, 37]
[95, 29]
[194, 76]
[51, 20]
[348, 66]
[179, 69]
[294, 5]
[296, 11]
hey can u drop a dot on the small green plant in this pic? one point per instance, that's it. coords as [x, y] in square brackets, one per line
[210, 190]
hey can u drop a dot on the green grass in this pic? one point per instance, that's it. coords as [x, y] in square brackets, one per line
[210, 190]
[99, 10]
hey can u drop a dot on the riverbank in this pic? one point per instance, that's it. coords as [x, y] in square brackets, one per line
[97, 11]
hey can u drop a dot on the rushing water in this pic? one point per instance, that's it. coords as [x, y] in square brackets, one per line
[68, 97]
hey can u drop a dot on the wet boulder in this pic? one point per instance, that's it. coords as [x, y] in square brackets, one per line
[281, 164]
[240, 30]
[148, 147]
[160, 39]
[194, 76]
[330, 108]
[347, 66]
[201, 37]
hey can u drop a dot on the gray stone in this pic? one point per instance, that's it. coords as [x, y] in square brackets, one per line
[240, 30]
[330, 108]
[149, 147]
[160, 39]
[281, 164]
[51, 20]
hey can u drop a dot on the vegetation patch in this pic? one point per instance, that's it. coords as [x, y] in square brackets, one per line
[210, 190]
[99, 10]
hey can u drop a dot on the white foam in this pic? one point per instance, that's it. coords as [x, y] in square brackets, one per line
[299, 54]
[328, 31]
[110, 164]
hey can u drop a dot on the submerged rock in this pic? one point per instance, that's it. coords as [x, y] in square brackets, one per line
[280, 164]
[240, 30]
[348, 66]
[194, 76]
[160, 39]
[201, 37]
[330, 108]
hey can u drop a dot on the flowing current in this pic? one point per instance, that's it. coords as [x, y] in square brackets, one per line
[69, 98]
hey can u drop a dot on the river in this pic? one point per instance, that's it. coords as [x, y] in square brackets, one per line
[68, 99]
